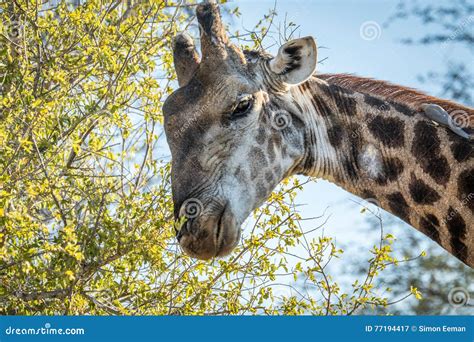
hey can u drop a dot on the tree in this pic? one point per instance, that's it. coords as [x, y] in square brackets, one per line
[86, 224]
[443, 281]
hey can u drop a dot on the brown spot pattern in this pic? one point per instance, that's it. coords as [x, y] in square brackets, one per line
[429, 225]
[427, 152]
[458, 231]
[421, 192]
[392, 168]
[390, 131]
[399, 206]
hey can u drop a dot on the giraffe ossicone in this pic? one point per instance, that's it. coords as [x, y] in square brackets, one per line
[242, 121]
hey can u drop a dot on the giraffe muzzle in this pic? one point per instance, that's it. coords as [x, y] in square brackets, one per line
[209, 235]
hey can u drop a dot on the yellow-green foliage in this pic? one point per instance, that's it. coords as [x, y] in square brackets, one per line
[85, 205]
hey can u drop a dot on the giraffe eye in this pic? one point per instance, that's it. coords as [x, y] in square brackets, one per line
[242, 107]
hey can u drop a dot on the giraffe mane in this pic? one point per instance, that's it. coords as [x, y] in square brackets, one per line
[393, 92]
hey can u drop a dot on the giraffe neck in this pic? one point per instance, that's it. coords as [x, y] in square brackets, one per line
[385, 150]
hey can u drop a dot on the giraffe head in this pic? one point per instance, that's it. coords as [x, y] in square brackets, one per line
[233, 131]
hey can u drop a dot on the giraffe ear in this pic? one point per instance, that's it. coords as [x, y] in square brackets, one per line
[296, 60]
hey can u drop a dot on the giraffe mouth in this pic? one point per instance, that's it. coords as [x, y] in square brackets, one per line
[227, 233]
[210, 236]
[219, 235]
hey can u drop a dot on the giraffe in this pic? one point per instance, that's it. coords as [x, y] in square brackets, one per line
[242, 121]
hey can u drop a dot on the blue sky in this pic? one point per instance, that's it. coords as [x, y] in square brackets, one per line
[336, 27]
